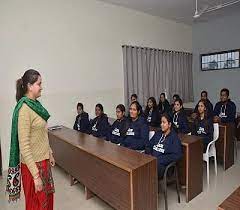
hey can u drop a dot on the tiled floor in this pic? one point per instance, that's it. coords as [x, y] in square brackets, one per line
[72, 198]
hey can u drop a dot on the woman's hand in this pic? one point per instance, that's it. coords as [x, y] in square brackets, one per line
[52, 160]
[38, 184]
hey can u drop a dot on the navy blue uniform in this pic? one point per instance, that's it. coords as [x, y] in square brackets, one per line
[180, 122]
[100, 126]
[82, 123]
[137, 134]
[153, 117]
[166, 149]
[204, 128]
[209, 108]
[118, 131]
[164, 107]
[227, 112]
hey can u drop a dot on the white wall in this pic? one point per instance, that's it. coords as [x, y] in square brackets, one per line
[213, 36]
[76, 45]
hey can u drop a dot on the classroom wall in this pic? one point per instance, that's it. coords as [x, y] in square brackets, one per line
[76, 45]
[219, 34]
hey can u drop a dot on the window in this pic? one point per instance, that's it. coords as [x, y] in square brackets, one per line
[220, 60]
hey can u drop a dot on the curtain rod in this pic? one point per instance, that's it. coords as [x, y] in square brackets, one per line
[156, 49]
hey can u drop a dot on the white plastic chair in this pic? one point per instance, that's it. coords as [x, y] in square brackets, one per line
[151, 134]
[211, 150]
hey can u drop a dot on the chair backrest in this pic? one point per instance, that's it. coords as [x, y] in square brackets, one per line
[151, 134]
[216, 131]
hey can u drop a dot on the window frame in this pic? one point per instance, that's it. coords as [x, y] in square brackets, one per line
[219, 54]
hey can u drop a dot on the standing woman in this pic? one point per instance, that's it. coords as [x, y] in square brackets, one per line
[31, 157]
[151, 113]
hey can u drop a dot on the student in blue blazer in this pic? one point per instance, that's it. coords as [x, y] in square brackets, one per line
[99, 125]
[137, 129]
[165, 145]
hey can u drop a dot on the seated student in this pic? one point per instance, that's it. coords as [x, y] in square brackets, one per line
[100, 125]
[118, 128]
[203, 125]
[151, 113]
[82, 120]
[204, 96]
[163, 106]
[137, 129]
[179, 117]
[134, 97]
[175, 97]
[225, 109]
[165, 145]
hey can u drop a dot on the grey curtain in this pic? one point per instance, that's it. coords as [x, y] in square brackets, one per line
[148, 72]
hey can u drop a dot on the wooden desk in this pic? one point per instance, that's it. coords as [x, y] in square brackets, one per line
[125, 179]
[238, 129]
[232, 202]
[191, 165]
[225, 144]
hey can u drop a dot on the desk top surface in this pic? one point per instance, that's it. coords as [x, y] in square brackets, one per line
[119, 156]
[232, 202]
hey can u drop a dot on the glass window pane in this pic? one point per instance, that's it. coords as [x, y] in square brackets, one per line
[221, 65]
[212, 58]
[237, 63]
[204, 66]
[203, 59]
[225, 56]
[229, 56]
[222, 57]
[215, 58]
[236, 55]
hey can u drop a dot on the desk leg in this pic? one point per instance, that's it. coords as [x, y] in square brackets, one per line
[73, 181]
[229, 148]
[88, 193]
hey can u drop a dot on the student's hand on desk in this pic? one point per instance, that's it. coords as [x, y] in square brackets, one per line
[216, 119]
[52, 160]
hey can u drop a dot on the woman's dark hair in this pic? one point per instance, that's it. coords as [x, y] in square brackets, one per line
[163, 94]
[121, 107]
[179, 100]
[176, 96]
[134, 95]
[138, 106]
[154, 105]
[100, 106]
[29, 77]
[168, 118]
[204, 91]
[205, 112]
[80, 105]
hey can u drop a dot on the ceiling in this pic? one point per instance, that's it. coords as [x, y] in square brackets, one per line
[177, 10]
